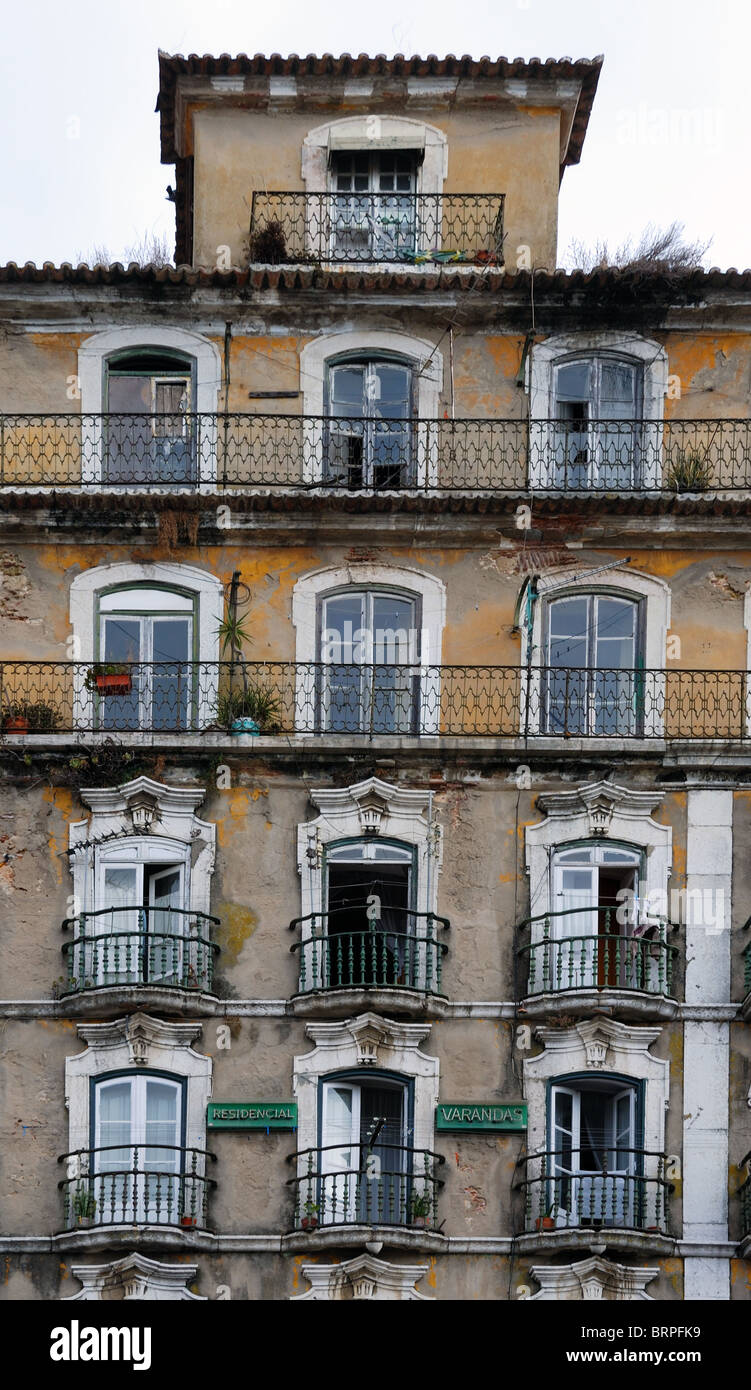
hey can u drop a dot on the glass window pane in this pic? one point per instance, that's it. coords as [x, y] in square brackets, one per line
[171, 639]
[618, 384]
[573, 381]
[128, 394]
[122, 639]
[347, 389]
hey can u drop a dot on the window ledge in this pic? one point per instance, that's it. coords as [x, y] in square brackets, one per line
[357, 1236]
[140, 1237]
[342, 1003]
[620, 1003]
[101, 999]
[596, 1240]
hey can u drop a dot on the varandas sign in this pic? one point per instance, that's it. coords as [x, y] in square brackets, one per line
[478, 1115]
[252, 1114]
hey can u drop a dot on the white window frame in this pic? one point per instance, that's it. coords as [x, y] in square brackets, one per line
[311, 588]
[565, 582]
[208, 595]
[420, 354]
[126, 1045]
[93, 355]
[554, 351]
[407, 819]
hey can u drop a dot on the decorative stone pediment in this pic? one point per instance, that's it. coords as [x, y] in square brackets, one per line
[147, 1039]
[135, 1277]
[594, 1279]
[600, 799]
[364, 1277]
[603, 1042]
[399, 812]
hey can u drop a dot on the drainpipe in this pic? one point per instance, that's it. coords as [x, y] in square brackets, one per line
[225, 427]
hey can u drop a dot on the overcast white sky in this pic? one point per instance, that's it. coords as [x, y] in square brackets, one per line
[668, 138]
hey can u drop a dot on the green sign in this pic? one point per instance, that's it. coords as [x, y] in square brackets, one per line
[466, 1116]
[252, 1114]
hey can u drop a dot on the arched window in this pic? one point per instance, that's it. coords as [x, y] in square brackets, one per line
[598, 936]
[366, 1158]
[596, 1168]
[370, 926]
[596, 442]
[369, 442]
[149, 424]
[592, 664]
[138, 1148]
[370, 654]
[151, 630]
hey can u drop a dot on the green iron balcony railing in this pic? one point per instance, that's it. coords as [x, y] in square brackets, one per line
[136, 1184]
[159, 946]
[281, 698]
[747, 964]
[363, 227]
[595, 947]
[744, 1193]
[399, 950]
[374, 454]
[385, 699]
[583, 1187]
[365, 1184]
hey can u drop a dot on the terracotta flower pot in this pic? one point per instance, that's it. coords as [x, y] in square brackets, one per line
[187, 1220]
[545, 1223]
[113, 684]
[309, 1223]
[15, 724]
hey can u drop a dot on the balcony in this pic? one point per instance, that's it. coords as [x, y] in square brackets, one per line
[346, 454]
[130, 1185]
[393, 1186]
[396, 962]
[623, 1209]
[584, 958]
[373, 228]
[744, 1193]
[136, 948]
[276, 699]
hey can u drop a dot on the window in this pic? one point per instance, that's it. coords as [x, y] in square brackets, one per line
[374, 211]
[152, 631]
[136, 1101]
[596, 442]
[140, 932]
[592, 682]
[370, 650]
[596, 1162]
[369, 922]
[149, 428]
[365, 1159]
[137, 1171]
[369, 440]
[598, 936]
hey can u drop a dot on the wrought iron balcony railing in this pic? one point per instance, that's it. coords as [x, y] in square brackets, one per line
[397, 951]
[352, 453]
[744, 1193]
[160, 946]
[365, 1185]
[281, 698]
[136, 1184]
[570, 1189]
[594, 948]
[412, 228]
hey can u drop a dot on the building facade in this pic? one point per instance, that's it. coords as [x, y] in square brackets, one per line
[376, 725]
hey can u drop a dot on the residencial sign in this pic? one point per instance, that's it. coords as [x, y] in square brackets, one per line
[466, 1116]
[252, 1114]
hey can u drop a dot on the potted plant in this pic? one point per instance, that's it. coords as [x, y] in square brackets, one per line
[30, 716]
[420, 1209]
[546, 1222]
[268, 246]
[106, 678]
[253, 710]
[309, 1218]
[186, 1220]
[690, 471]
[84, 1205]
